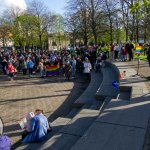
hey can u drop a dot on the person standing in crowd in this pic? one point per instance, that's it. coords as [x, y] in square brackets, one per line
[148, 55]
[120, 51]
[124, 53]
[87, 68]
[116, 51]
[41, 67]
[112, 51]
[145, 48]
[73, 62]
[98, 63]
[79, 65]
[11, 70]
[129, 48]
[23, 66]
[68, 70]
[4, 65]
[30, 66]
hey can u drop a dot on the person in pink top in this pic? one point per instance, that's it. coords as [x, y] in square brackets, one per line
[11, 70]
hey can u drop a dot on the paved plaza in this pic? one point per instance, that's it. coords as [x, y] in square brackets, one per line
[54, 95]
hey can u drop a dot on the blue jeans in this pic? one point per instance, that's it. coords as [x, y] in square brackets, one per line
[42, 73]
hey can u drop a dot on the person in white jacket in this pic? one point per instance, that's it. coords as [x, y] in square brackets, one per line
[116, 51]
[87, 67]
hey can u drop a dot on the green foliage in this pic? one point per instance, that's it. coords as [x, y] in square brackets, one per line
[139, 5]
[5, 31]
[120, 35]
[25, 31]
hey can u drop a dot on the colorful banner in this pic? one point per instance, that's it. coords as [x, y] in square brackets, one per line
[52, 70]
[139, 49]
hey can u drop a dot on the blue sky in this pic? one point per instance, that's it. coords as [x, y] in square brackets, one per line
[56, 5]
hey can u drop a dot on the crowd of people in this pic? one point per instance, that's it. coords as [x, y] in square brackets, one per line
[35, 61]
[70, 61]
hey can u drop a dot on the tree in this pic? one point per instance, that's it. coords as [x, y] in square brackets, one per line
[5, 33]
[71, 26]
[39, 10]
[125, 17]
[94, 17]
[79, 11]
[110, 9]
[24, 30]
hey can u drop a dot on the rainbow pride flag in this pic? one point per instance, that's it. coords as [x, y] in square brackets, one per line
[139, 49]
[52, 70]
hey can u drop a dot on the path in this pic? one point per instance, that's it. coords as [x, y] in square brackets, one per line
[27, 94]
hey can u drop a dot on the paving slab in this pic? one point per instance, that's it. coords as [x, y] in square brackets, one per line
[129, 113]
[103, 136]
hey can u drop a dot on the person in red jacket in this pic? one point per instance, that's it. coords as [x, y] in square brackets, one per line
[11, 70]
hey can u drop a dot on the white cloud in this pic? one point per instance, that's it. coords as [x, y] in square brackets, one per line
[14, 3]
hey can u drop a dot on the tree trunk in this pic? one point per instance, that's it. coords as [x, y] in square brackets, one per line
[137, 28]
[111, 32]
[145, 34]
[3, 42]
[85, 40]
[40, 38]
[126, 35]
[95, 38]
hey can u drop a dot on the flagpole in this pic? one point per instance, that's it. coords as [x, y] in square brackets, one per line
[138, 64]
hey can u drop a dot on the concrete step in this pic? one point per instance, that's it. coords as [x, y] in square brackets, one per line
[80, 123]
[89, 94]
[72, 132]
[110, 74]
[103, 136]
[73, 112]
[96, 105]
[56, 126]
[104, 104]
